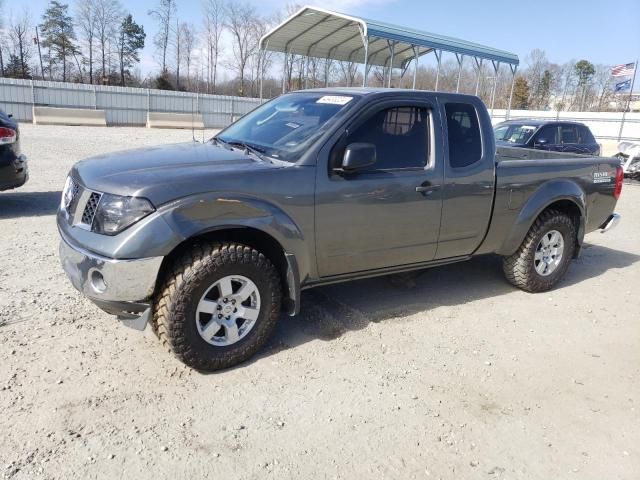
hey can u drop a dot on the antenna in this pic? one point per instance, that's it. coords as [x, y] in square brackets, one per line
[193, 120]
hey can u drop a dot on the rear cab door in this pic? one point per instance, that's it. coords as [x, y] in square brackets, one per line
[469, 170]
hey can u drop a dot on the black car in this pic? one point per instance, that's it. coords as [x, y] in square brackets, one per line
[556, 136]
[13, 165]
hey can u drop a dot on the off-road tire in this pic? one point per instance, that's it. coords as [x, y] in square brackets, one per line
[184, 284]
[519, 268]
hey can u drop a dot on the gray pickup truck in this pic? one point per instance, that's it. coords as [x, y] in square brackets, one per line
[209, 241]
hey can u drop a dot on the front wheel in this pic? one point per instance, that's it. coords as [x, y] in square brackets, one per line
[545, 254]
[218, 305]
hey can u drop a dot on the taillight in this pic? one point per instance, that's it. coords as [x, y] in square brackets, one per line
[619, 179]
[7, 135]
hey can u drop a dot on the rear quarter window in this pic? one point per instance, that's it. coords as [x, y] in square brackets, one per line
[463, 128]
[585, 135]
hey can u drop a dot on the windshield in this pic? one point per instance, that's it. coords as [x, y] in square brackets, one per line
[286, 126]
[514, 133]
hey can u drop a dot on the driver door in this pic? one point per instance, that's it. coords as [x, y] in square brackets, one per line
[388, 214]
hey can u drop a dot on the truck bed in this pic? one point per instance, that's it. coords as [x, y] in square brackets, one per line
[523, 174]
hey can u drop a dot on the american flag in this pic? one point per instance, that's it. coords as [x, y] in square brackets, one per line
[623, 70]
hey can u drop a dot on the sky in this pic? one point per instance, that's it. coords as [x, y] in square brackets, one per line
[601, 32]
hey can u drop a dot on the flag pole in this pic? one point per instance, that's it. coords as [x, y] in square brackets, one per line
[624, 113]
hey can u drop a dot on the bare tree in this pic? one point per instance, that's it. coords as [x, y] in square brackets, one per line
[177, 44]
[188, 39]
[86, 21]
[241, 22]
[19, 33]
[108, 15]
[568, 80]
[262, 60]
[2, 41]
[163, 14]
[214, 22]
[604, 84]
[348, 71]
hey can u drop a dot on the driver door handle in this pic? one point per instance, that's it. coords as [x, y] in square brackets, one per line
[426, 188]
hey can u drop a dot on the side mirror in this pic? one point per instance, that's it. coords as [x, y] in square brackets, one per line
[10, 115]
[357, 156]
[541, 142]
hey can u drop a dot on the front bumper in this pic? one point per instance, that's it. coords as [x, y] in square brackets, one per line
[119, 287]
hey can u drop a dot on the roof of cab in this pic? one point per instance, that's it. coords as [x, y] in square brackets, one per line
[379, 91]
[540, 121]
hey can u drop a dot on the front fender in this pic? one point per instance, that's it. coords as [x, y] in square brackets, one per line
[547, 194]
[208, 212]
[200, 214]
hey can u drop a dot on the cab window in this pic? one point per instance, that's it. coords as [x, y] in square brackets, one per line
[568, 134]
[465, 144]
[400, 135]
[548, 133]
[585, 135]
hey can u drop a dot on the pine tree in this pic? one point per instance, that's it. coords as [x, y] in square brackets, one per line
[58, 35]
[16, 68]
[521, 94]
[130, 41]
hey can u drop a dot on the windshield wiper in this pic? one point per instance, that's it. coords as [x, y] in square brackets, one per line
[257, 151]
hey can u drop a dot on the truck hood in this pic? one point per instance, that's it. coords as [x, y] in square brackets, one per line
[164, 173]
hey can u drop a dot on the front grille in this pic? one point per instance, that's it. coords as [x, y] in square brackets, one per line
[72, 196]
[91, 208]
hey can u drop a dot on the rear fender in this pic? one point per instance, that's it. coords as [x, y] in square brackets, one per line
[545, 196]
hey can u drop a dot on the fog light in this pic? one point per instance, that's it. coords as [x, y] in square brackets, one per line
[97, 282]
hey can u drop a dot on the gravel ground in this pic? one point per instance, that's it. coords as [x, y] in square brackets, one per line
[453, 374]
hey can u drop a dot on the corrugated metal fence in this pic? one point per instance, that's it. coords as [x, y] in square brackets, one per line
[129, 106]
[122, 105]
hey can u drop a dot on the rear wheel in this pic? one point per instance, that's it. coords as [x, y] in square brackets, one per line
[545, 254]
[218, 305]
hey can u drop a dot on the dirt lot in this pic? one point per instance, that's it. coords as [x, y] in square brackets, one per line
[459, 377]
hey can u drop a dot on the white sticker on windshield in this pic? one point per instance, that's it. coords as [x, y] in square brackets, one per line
[335, 100]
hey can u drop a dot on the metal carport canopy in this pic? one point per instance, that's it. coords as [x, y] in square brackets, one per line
[316, 32]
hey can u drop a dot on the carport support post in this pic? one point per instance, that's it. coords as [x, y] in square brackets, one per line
[439, 60]
[284, 70]
[392, 48]
[326, 72]
[263, 51]
[415, 66]
[479, 71]
[460, 59]
[306, 73]
[496, 67]
[365, 40]
[514, 69]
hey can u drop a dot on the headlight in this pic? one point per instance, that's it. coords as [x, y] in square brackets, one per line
[116, 213]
